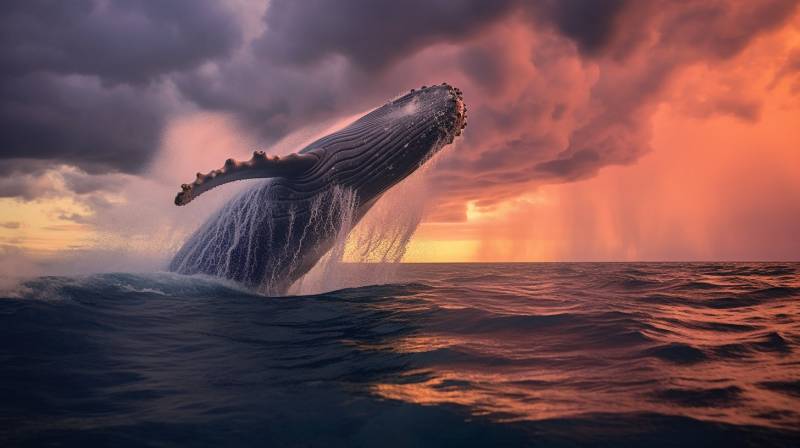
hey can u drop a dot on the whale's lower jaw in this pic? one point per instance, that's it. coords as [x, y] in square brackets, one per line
[273, 233]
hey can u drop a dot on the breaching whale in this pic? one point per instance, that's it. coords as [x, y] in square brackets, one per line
[273, 233]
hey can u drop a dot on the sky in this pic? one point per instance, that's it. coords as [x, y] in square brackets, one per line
[605, 130]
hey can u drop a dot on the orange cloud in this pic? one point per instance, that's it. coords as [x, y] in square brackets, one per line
[718, 185]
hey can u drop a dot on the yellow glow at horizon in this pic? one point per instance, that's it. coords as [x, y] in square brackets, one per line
[41, 230]
[439, 251]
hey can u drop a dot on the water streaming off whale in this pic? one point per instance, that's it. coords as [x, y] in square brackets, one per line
[369, 252]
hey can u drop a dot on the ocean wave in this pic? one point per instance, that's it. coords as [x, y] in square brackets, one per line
[624, 352]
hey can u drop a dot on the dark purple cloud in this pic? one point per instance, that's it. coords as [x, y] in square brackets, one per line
[591, 24]
[82, 82]
[79, 121]
[370, 34]
[131, 41]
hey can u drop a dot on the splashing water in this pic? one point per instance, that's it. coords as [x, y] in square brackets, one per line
[368, 252]
[357, 251]
[255, 238]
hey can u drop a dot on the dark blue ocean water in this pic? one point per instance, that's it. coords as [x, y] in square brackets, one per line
[560, 354]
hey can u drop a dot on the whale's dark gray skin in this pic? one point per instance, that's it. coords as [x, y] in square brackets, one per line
[271, 234]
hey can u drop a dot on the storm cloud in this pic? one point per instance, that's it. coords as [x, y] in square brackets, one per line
[85, 82]
[556, 89]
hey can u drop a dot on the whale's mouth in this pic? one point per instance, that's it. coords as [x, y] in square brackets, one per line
[461, 111]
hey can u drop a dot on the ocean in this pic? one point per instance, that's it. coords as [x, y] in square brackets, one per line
[539, 354]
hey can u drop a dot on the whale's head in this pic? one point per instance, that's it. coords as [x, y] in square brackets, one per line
[392, 141]
[369, 155]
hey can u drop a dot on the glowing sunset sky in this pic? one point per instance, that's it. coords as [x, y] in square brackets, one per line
[598, 130]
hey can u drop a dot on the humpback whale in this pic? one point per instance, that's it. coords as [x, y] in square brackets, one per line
[273, 233]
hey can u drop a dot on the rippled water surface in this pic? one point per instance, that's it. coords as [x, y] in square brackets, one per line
[561, 354]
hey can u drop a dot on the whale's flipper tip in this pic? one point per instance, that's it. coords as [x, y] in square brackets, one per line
[259, 166]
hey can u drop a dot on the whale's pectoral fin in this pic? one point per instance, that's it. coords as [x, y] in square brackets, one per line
[258, 166]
